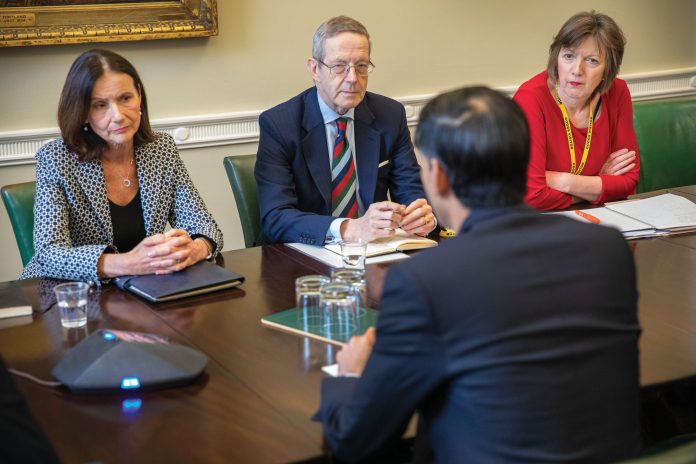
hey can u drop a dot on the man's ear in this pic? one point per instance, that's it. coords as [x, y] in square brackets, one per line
[312, 68]
[439, 173]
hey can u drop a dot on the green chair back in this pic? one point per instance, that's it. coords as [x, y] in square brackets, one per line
[19, 202]
[240, 172]
[678, 450]
[666, 133]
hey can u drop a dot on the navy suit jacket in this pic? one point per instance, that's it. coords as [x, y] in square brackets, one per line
[516, 341]
[293, 173]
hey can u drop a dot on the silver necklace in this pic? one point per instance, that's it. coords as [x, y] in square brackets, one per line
[126, 179]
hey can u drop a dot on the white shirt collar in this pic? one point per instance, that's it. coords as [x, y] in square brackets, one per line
[329, 115]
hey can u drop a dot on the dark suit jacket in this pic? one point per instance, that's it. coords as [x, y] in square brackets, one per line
[293, 173]
[516, 341]
[21, 437]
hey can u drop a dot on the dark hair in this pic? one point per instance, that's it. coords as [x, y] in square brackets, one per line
[482, 139]
[331, 28]
[610, 40]
[75, 100]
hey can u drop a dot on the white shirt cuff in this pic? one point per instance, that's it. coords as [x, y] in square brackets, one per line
[334, 233]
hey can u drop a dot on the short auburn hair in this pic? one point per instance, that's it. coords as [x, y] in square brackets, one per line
[610, 40]
[76, 97]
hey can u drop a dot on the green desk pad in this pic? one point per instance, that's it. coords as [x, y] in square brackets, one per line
[290, 321]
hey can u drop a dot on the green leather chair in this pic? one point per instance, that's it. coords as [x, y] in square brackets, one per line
[240, 172]
[666, 133]
[678, 450]
[19, 202]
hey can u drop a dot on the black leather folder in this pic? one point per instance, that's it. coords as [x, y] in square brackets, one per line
[202, 277]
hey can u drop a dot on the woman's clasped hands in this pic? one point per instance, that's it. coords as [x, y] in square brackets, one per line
[163, 253]
[171, 251]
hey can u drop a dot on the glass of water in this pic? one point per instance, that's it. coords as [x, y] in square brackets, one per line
[307, 300]
[72, 302]
[354, 254]
[339, 309]
[356, 279]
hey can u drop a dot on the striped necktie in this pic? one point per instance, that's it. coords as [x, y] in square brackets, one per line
[343, 180]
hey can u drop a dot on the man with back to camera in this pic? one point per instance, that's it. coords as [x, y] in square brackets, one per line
[523, 346]
[328, 157]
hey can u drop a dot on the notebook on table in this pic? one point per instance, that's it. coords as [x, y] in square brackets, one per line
[400, 241]
[203, 277]
[14, 308]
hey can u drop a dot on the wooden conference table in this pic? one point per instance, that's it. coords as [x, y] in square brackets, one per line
[261, 386]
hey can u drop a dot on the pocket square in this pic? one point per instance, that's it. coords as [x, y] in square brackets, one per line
[383, 163]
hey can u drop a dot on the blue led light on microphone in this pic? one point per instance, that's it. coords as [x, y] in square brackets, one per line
[130, 383]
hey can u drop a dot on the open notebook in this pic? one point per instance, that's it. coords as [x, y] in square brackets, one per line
[402, 241]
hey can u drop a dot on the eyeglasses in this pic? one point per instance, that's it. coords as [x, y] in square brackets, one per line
[361, 69]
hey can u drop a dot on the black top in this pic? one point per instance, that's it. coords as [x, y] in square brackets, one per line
[128, 224]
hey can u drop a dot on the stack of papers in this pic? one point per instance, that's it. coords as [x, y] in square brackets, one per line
[660, 215]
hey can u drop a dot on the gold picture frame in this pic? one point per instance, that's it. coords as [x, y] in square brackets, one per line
[29, 22]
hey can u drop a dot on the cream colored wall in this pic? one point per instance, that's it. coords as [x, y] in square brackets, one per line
[258, 60]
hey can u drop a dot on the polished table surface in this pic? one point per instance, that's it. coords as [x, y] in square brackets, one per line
[261, 386]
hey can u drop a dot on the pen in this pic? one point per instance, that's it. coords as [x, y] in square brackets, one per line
[589, 217]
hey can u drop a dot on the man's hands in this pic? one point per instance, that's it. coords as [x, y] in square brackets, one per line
[353, 356]
[163, 253]
[418, 218]
[383, 218]
[380, 220]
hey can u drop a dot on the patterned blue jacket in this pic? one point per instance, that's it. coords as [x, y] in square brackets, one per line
[72, 222]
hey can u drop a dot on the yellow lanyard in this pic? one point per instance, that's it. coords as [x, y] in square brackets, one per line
[569, 134]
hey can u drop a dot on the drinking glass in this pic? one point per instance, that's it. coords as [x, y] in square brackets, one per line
[354, 254]
[339, 309]
[355, 278]
[307, 301]
[72, 301]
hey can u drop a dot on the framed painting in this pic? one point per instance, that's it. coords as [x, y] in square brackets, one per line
[47, 22]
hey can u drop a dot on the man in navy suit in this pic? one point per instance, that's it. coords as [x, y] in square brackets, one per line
[328, 157]
[517, 340]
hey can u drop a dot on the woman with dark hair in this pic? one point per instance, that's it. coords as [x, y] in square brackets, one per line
[582, 143]
[106, 190]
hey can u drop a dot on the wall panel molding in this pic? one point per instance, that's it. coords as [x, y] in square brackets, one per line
[19, 147]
